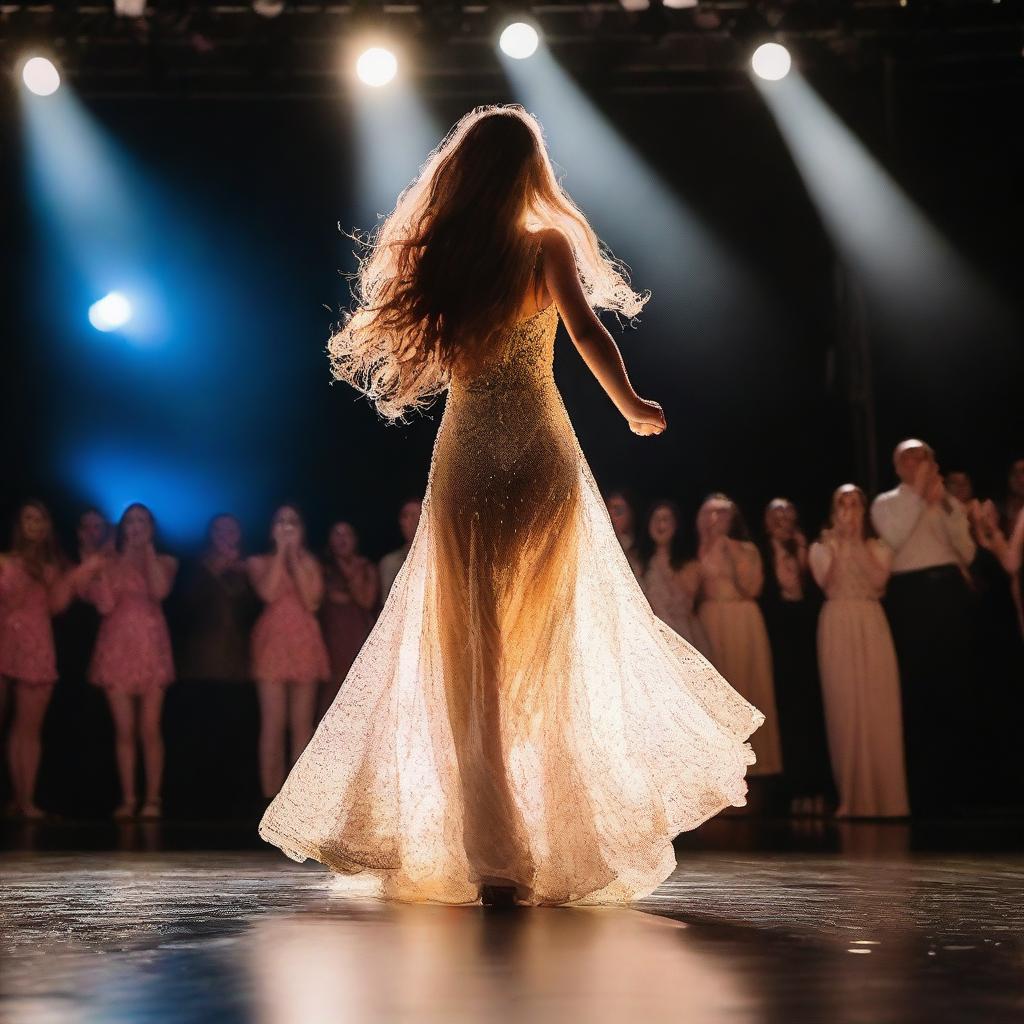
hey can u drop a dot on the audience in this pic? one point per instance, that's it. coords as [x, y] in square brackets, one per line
[132, 661]
[212, 715]
[669, 578]
[859, 673]
[217, 608]
[35, 584]
[351, 584]
[928, 603]
[790, 603]
[897, 725]
[622, 512]
[289, 657]
[408, 520]
[731, 577]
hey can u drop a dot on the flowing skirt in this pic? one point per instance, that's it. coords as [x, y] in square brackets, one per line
[518, 714]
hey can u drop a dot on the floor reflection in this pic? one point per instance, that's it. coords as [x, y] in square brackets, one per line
[864, 937]
[441, 964]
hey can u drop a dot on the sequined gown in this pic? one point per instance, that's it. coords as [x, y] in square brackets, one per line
[518, 712]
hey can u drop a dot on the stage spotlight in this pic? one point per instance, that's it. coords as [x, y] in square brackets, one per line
[376, 66]
[268, 8]
[519, 40]
[40, 76]
[771, 61]
[110, 312]
[129, 8]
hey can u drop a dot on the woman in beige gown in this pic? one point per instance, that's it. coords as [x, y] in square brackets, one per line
[859, 672]
[732, 576]
[518, 725]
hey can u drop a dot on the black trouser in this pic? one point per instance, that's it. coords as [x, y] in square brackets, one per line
[929, 611]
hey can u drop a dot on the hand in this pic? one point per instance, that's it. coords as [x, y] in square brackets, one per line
[91, 565]
[645, 418]
[985, 519]
[923, 476]
[936, 490]
[284, 537]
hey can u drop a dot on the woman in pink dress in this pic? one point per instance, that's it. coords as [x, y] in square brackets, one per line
[859, 671]
[35, 584]
[669, 579]
[732, 575]
[132, 661]
[289, 657]
[351, 586]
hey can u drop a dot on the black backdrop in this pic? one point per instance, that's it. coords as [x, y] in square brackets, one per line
[266, 182]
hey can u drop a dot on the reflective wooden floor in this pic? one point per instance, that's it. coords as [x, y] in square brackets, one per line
[875, 934]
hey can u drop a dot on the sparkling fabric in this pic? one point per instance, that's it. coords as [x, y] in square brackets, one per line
[518, 714]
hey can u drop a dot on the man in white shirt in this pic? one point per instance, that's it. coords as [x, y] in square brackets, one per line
[408, 520]
[928, 604]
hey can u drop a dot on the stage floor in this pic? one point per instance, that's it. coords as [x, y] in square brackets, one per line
[866, 936]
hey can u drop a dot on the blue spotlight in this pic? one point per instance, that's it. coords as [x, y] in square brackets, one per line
[181, 489]
[111, 312]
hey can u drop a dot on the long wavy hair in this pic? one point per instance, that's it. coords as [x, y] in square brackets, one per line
[681, 549]
[455, 259]
[36, 556]
[121, 535]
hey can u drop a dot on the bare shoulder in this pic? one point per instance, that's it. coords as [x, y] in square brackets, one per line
[255, 563]
[555, 244]
[168, 563]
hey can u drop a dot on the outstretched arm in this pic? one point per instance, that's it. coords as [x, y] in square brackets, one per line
[591, 338]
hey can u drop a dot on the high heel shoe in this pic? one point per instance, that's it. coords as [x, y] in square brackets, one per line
[151, 810]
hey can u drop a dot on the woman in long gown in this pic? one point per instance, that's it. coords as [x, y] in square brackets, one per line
[731, 580]
[790, 602]
[859, 673]
[519, 724]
